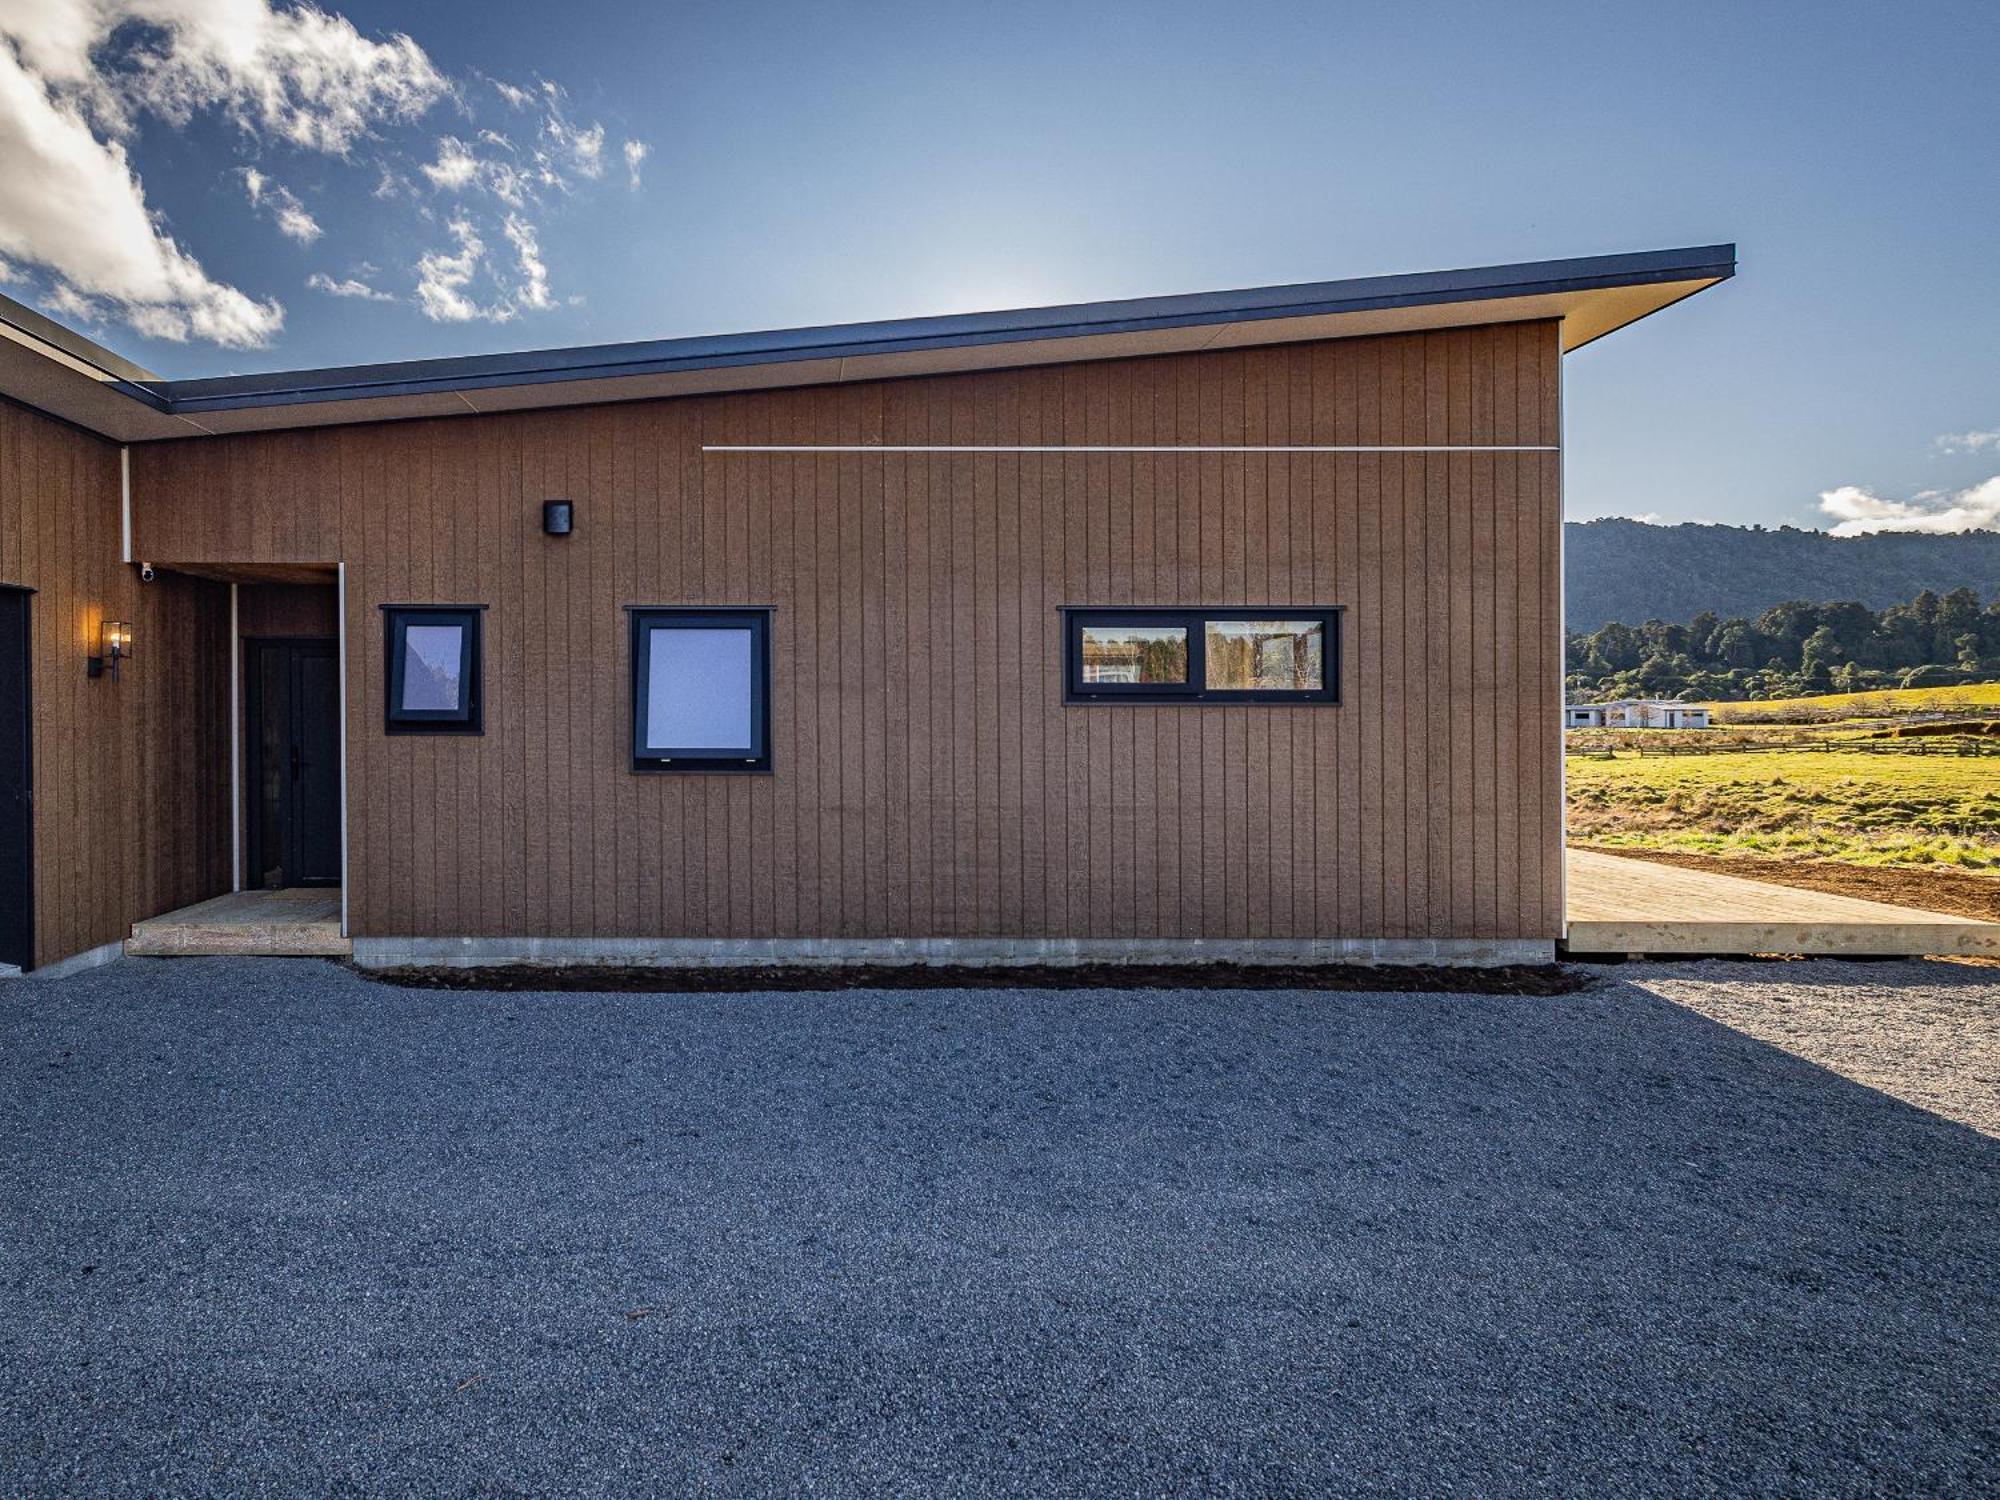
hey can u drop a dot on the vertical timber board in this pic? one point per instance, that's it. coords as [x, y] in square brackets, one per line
[130, 777]
[929, 780]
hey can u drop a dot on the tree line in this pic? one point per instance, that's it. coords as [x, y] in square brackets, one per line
[1627, 570]
[1791, 650]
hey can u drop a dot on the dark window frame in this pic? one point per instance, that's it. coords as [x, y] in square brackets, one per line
[470, 716]
[754, 758]
[1195, 620]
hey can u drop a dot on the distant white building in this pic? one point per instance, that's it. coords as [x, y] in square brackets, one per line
[1635, 713]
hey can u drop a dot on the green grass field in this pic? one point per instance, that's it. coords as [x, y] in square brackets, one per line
[1905, 810]
[1972, 699]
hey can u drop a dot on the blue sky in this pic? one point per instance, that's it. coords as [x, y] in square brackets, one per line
[812, 163]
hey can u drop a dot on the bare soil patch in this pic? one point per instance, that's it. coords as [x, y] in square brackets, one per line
[1961, 895]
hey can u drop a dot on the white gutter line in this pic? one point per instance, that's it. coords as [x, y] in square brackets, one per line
[340, 578]
[1126, 448]
[1561, 630]
[235, 745]
[125, 498]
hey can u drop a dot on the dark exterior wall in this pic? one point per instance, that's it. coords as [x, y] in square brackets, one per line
[131, 777]
[287, 609]
[929, 780]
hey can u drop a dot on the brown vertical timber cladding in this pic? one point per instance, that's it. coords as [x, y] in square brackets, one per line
[287, 609]
[929, 780]
[131, 794]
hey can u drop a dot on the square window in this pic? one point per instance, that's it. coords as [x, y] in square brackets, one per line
[433, 668]
[701, 689]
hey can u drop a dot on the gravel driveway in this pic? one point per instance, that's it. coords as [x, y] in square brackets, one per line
[269, 1228]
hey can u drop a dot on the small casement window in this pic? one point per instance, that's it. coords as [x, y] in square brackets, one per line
[1280, 654]
[433, 668]
[701, 689]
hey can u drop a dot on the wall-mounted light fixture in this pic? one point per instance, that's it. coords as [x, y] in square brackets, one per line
[558, 517]
[114, 645]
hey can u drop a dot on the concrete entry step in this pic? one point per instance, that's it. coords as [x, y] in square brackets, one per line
[1636, 906]
[267, 924]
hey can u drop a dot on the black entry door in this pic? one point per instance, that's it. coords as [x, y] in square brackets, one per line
[294, 730]
[17, 786]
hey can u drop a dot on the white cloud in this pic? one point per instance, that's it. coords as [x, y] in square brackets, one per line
[1648, 518]
[456, 167]
[70, 202]
[568, 147]
[1968, 442]
[79, 77]
[517, 176]
[584, 149]
[445, 278]
[534, 293]
[287, 212]
[74, 78]
[348, 286]
[442, 279]
[305, 76]
[71, 303]
[1860, 512]
[298, 73]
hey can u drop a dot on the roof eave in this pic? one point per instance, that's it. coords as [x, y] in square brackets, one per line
[1590, 297]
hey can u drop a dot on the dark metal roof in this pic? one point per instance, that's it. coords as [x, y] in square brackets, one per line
[961, 330]
[1109, 329]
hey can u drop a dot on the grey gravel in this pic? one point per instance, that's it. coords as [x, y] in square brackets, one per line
[269, 1228]
[1927, 1033]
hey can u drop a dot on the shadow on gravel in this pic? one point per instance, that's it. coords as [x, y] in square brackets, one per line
[273, 1228]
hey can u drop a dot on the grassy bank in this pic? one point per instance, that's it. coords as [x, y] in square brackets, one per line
[1936, 811]
[1971, 699]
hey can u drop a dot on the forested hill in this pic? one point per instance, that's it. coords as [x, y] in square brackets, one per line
[1629, 571]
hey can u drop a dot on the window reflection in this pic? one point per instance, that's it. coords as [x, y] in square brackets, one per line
[699, 689]
[1265, 655]
[1135, 653]
[432, 658]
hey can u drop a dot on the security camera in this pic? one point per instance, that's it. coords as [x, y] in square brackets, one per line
[145, 572]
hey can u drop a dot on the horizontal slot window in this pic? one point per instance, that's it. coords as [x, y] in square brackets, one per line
[1282, 654]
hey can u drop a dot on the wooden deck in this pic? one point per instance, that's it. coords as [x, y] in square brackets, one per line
[1636, 906]
[270, 924]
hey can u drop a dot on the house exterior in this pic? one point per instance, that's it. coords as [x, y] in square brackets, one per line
[1180, 627]
[1635, 713]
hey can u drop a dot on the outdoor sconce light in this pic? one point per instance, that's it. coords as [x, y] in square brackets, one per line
[558, 517]
[114, 646]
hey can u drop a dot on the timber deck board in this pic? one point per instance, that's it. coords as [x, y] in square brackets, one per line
[294, 923]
